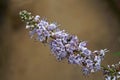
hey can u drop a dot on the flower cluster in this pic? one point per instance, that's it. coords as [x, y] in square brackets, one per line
[112, 72]
[64, 45]
[90, 61]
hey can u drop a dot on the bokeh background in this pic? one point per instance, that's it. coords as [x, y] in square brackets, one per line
[21, 58]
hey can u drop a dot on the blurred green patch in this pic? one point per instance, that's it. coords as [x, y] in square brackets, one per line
[117, 53]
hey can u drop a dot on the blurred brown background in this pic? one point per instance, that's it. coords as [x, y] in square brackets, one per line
[22, 58]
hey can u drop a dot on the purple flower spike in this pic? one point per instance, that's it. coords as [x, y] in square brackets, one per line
[43, 23]
[89, 63]
[86, 51]
[32, 32]
[52, 26]
[58, 49]
[72, 44]
[42, 33]
[64, 45]
[82, 44]
[85, 71]
[75, 59]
